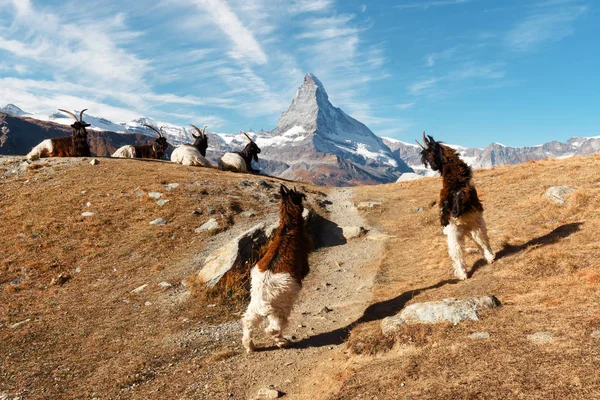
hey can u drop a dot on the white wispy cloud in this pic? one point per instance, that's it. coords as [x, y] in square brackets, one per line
[421, 86]
[428, 4]
[405, 106]
[246, 45]
[432, 58]
[551, 22]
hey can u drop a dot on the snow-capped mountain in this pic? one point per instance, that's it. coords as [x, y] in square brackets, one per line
[13, 110]
[498, 154]
[318, 142]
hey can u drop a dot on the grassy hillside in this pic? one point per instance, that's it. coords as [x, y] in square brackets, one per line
[71, 327]
[547, 275]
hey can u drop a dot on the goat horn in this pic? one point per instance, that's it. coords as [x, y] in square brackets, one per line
[425, 139]
[154, 129]
[248, 137]
[204, 129]
[70, 113]
[81, 114]
[161, 131]
[201, 132]
[420, 145]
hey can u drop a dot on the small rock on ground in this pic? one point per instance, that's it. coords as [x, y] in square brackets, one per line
[139, 289]
[94, 161]
[479, 335]
[557, 194]
[596, 334]
[245, 183]
[162, 202]
[158, 221]
[210, 225]
[248, 214]
[353, 232]
[87, 214]
[155, 195]
[172, 186]
[165, 284]
[368, 204]
[541, 337]
[268, 393]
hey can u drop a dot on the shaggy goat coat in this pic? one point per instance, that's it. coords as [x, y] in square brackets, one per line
[75, 145]
[277, 277]
[233, 162]
[127, 151]
[187, 154]
[461, 212]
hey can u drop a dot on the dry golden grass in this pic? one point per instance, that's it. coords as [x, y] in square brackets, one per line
[546, 275]
[90, 336]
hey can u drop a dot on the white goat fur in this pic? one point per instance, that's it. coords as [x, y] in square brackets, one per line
[127, 151]
[234, 162]
[43, 149]
[272, 297]
[473, 224]
[189, 155]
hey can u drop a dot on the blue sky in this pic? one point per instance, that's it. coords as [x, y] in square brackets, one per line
[467, 71]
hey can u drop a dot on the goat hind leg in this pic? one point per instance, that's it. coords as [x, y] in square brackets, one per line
[275, 329]
[456, 244]
[249, 322]
[480, 236]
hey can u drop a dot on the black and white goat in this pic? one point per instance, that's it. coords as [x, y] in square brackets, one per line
[241, 161]
[75, 145]
[277, 277]
[193, 154]
[461, 211]
[155, 150]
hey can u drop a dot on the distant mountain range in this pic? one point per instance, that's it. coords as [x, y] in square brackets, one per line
[498, 154]
[313, 141]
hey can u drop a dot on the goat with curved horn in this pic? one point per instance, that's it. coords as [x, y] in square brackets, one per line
[193, 154]
[461, 212]
[241, 161]
[155, 151]
[75, 145]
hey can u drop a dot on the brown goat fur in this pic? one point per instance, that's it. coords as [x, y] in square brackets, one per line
[458, 195]
[277, 277]
[75, 145]
[155, 150]
[288, 251]
[461, 212]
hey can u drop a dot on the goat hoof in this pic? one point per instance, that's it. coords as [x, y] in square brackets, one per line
[462, 275]
[283, 343]
[249, 347]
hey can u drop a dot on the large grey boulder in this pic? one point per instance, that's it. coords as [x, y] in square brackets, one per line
[557, 194]
[233, 253]
[447, 310]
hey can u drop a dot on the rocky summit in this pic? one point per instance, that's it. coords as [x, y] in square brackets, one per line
[317, 142]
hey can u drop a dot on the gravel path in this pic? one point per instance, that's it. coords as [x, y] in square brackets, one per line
[334, 295]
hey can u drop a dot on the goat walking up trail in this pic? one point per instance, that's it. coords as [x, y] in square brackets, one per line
[335, 294]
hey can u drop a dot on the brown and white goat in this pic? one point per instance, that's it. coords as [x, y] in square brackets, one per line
[193, 154]
[461, 210]
[75, 145]
[241, 161]
[155, 150]
[277, 277]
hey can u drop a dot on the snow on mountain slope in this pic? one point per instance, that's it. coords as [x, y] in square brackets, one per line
[313, 139]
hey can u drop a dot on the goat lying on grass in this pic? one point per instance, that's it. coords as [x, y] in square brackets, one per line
[277, 277]
[155, 150]
[241, 161]
[75, 145]
[461, 210]
[195, 154]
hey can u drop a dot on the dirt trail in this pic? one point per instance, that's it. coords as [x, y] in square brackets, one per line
[341, 279]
